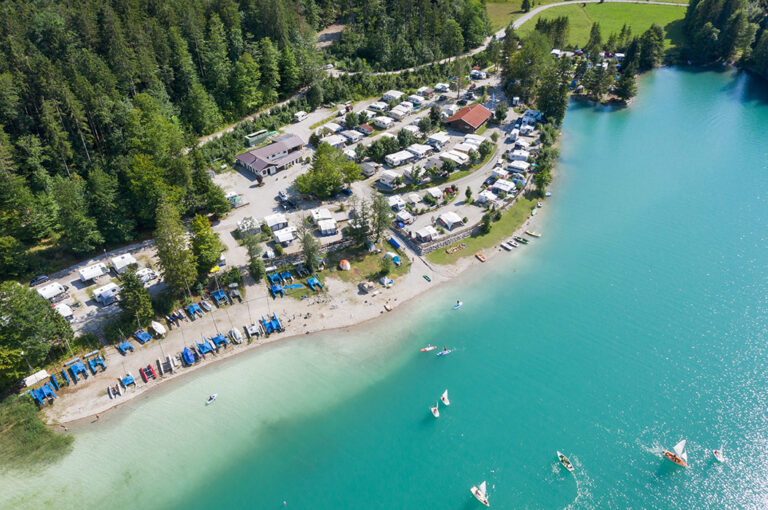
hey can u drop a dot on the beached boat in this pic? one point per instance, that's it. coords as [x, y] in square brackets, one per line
[532, 233]
[539, 205]
[428, 348]
[506, 246]
[521, 240]
[480, 257]
[435, 411]
[444, 398]
[548, 194]
[533, 212]
[512, 243]
[211, 399]
[719, 454]
[427, 278]
[678, 455]
[110, 393]
[444, 352]
[565, 462]
[480, 494]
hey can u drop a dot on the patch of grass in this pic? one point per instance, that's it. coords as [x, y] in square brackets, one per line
[612, 16]
[366, 265]
[306, 290]
[24, 439]
[509, 222]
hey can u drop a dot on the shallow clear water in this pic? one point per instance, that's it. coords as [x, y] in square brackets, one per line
[639, 318]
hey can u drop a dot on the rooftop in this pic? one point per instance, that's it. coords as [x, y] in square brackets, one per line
[473, 115]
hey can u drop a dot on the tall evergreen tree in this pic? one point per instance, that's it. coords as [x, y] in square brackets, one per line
[79, 231]
[289, 72]
[177, 263]
[270, 70]
[206, 245]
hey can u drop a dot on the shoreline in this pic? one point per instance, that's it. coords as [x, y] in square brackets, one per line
[77, 409]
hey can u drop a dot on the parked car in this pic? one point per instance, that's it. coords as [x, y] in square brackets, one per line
[461, 102]
[283, 195]
[37, 280]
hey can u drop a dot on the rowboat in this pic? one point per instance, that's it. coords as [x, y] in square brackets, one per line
[444, 398]
[480, 257]
[211, 399]
[506, 246]
[480, 494]
[678, 455]
[564, 461]
[532, 233]
[428, 348]
[512, 243]
[521, 240]
[435, 411]
[427, 278]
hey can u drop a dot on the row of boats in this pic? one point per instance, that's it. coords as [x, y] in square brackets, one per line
[516, 241]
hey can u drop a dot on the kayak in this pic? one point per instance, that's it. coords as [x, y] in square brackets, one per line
[212, 398]
[428, 348]
[427, 278]
[443, 353]
[565, 461]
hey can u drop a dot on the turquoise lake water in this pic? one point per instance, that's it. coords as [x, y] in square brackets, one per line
[638, 319]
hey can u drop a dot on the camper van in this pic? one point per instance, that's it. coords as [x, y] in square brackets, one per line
[299, 116]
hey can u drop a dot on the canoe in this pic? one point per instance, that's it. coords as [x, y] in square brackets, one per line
[564, 461]
[480, 257]
[427, 278]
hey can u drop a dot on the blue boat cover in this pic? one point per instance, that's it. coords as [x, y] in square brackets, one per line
[314, 282]
[394, 243]
[54, 381]
[219, 339]
[125, 346]
[204, 347]
[194, 308]
[274, 278]
[294, 286]
[286, 275]
[219, 296]
[96, 362]
[78, 367]
[128, 379]
[142, 336]
[187, 356]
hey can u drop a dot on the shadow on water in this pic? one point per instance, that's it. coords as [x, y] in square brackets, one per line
[747, 86]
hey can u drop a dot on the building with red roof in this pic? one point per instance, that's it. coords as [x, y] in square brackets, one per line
[470, 118]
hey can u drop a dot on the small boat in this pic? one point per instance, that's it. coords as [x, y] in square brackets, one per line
[480, 494]
[678, 455]
[110, 393]
[521, 240]
[506, 246]
[548, 194]
[539, 205]
[532, 233]
[211, 399]
[512, 243]
[444, 352]
[457, 305]
[435, 411]
[479, 256]
[388, 307]
[719, 454]
[428, 348]
[444, 398]
[565, 462]
[427, 278]
[533, 212]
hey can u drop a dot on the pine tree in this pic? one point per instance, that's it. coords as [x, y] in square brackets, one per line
[270, 70]
[289, 72]
[626, 87]
[206, 245]
[135, 301]
[79, 232]
[526, 6]
[177, 262]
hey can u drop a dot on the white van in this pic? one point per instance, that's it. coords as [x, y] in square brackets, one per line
[299, 116]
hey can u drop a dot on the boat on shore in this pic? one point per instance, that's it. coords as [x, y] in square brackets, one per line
[426, 277]
[521, 240]
[512, 243]
[532, 233]
[480, 257]
[506, 246]
[480, 494]
[565, 462]
[678, 455]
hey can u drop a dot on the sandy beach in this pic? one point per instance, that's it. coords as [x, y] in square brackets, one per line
[342, 305]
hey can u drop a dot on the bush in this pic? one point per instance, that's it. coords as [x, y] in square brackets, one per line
[279, 250]
[257, 269]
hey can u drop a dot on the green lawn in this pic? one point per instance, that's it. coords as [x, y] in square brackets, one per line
[365, 265]
[612, 16]
[502, 229]
[502, 13]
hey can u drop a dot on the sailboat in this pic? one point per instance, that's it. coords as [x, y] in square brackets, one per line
[444, 398]
[480, 494]
[719, 454]
[679, 456]
[435, 411]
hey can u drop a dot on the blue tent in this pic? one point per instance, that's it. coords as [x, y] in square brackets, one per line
[142, 336]
[394, 243]
[218, 340]
[78, 368]
[187, 356]
[124, 347]
[204, 347]
[97, 362]
[220, 297]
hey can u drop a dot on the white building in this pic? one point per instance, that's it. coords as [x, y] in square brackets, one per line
[368, 114]
[450, 220]
[519, 166]
[392, 95]
[369, 168]
[519, 155]
[396, 203]
[426, 234]
[439, 139]
[406, 105]
[435, 193]
[474, 139]
[522, 144]
[398, 158]
[532, 116]
[442, 87]
[424, 91]
[336, 141]
[457, 157]
[121, 262]
[404, 217]
[419, 150]
[383, 122]
[92, 271]
[327, 227]
[388, 178]
[331, 126]
[276, 221]
[64, 310]
[378, 106]
[320, 214]
[478, 75]
[416, 100]
[106, 293]
[146, 275]
[52, 291]
[502, 186]
[464, 147]
[414, 198]
[352, 136]
[284, 236]
[299, 116]
[398, 113]
[499, 173]
[487, 197]
[526, 129]
[350, 153]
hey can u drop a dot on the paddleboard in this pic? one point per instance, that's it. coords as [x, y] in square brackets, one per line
[443, 353]
[457, 305]
[428, 348]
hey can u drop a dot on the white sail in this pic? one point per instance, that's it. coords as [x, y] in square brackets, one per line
[481, 489]
[680, 449]
[444, 398]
